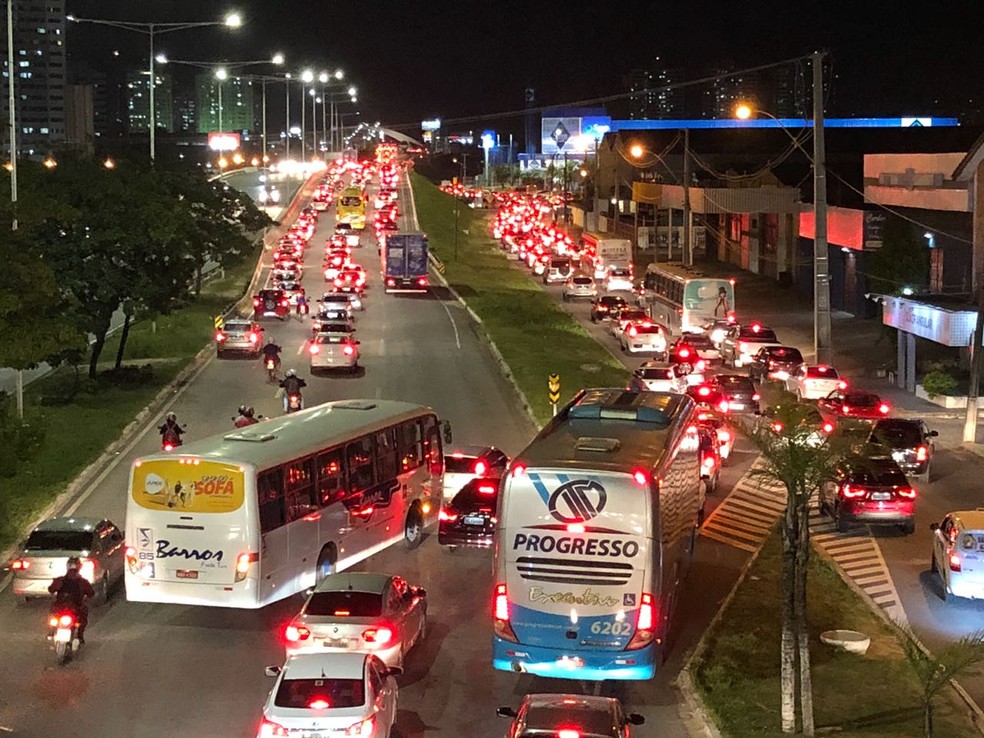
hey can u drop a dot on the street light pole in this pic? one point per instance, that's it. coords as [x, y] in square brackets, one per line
[822, 339]
[263, 156]
[688, 247]
[151, 83]
[287, 119]
[12, 116]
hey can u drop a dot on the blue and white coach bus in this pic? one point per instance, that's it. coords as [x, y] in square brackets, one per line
[598, 519]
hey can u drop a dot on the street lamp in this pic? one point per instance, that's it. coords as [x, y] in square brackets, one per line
[221, 75]
[231, 20]
[307, 77]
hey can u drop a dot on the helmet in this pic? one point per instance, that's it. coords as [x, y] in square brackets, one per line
[74, 563]
[248, 412]
[242, 409]
[292, 372]
[171, 416]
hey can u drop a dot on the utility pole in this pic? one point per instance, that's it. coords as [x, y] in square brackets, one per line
[822, 338]
[976, 361]
[263, 156]
[287, 119]
[688, 247]
[12, 117]
[152, 111]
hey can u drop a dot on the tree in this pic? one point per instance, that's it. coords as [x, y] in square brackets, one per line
[798, 453]
[902, 260]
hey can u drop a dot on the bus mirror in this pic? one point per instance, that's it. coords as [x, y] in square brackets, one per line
[447, 432]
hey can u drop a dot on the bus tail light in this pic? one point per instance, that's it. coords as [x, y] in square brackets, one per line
[480, 468]
[243, 562]
[645, 624]
[500, 615]
[422, 281]
[296, 633]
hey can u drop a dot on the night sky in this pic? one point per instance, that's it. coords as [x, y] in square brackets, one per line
[413, 60]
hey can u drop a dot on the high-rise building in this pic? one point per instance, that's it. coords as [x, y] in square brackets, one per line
[642, 104]
[792, 98]
[186, 120]
[138, 102]
[39, 74]
[238, 109]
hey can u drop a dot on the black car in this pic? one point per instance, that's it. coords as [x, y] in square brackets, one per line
[271, 303]
[710, 395]
[469, 518]
[868, 488]
[908, 441]
[604, 306]
[774, 362]
[739, 391]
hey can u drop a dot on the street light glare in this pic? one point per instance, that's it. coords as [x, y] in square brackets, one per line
[352, 91]
[323, 77]
[637, 151]
[339, 74]
[221, 73]
[278, 58]
[307, 76]
[743, 111]
[234, 20]
[161, 58]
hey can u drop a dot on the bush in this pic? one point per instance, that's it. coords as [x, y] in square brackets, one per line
[938, 383]
[19, 440]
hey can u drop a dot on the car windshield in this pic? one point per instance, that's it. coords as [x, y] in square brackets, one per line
[653, 373]
[762, 334]
[337, 336]
[897, 434]
[861, 399]
[270, 294]
[236, 327]
[621, 273]
[879, 472]
[643, 328]
[320, 694]
[345, 604]
[784, 353]
[633, 314]
[59, 540]
[560, 264]
[698, 341]
[821, 372]
[590, 721]
[612, 301]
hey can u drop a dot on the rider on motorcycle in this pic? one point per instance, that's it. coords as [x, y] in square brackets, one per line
[70, 592]
[171, 430]
[272, 351]
[291, 385]
[247, 416]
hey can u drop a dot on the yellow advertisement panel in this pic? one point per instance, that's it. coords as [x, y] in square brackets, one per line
[188, 485]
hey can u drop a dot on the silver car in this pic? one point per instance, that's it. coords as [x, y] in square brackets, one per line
[580, 287]
[334, 349]
[44, 556]
[359, 611]
[243, 336]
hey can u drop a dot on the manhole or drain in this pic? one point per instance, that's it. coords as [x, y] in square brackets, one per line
[590, 368]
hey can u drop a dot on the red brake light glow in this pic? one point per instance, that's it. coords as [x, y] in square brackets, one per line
[518, 470]
[756, 397]
[883, 409]
[348, 350]
[907, 492]
[377, 637]
[500, 610]
[703, 391]
[20, 565]
[640, 477]
[219, 336]
[568, 733]
[851, 492]
[922, 453]
[480, 468]
[314, 349]
[296, 633]
[575, 528]
[684, 352]
[828, 427]
[319, 703]
[954, 562]
[486, 489]
[842, 385]
[446, 515]
[66, 620]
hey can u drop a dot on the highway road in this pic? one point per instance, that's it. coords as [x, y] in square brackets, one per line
[152, 670]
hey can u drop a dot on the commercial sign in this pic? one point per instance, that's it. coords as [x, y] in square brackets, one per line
[223, 141]
[573, 134]
[874, 230]
[947, 327]
[188, 485]
[488, 140]
[433, 124]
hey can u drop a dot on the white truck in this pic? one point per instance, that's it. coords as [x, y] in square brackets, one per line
[608, 253]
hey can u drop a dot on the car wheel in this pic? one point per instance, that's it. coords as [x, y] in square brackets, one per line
[102, 591]
[413, 529]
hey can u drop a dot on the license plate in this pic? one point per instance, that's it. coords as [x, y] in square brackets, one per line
[474, 520]
[336, 642]
[314, 734]
[187, 574]
[881, 496]
[63, 635]
[898, 455]
[736, 405]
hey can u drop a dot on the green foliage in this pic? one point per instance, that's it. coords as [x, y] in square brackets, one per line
[19, 440]
[938, 383]
[902, 260]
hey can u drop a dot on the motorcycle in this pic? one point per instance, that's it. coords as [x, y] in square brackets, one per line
[170, 440]
[271, 366]
[294, 403]
[243, 422]
[63, 634]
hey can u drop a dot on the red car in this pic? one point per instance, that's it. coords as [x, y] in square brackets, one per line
[350, 280]
[853, 404]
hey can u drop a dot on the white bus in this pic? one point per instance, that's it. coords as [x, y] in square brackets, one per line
[684, 298]
[598, 518]
[248, 517]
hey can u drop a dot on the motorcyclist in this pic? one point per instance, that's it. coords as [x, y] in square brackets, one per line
[272, 351]
[247, 416]
[70, 592]
[170, 429]
[291, 385]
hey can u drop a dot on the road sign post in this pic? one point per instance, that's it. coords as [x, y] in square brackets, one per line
[553, 390]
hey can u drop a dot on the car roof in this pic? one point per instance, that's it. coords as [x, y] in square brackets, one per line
[347, 665]
[355, 581]
[970, 519]
[72, 524]
[594, 715]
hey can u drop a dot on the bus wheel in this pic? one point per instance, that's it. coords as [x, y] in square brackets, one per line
[413, 530]
[326, 564]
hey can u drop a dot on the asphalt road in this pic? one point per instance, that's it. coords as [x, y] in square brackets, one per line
[151, 670]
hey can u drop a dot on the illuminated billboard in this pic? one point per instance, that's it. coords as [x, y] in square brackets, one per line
[572, 134]
[223, 141]
[434, 124]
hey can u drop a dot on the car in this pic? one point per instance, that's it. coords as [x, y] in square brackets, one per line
[686, 356]
[742, 342]
[464, 463]
[619, 279]
[271, 302]
[293, 291]
[740, 393]
[643, 337]
[350, 280]
[373, 613]
[624, 315]
[322, 694]
[820, 428]
[580, 286]
[558, 270]
[334, 350]
[853, 404]
[726, 436]
[569, 716]
[958, 541]
[279, 276]
[351, 300]
[716, 330]
[909, 441]
[869, 489]
[700, 344]
[814, 381]
[709, 452]
[774, 362]
[244, 336]
[658, 376]
[708, 395]
[470, 516]
[333, 315]
[98, 542]
[602, 307]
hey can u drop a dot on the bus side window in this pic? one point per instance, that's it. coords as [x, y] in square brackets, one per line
[386, 454]
[300, 489]
[410, 451]
[331, 477]
[359, 459]
[435, 454]
[270, 496]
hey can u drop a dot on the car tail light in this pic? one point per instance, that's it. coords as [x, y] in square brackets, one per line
[954, 562]
[884, 408]
[645, 624]
[641, 477]
[481, 468]
[632, 331]
[683, 353]
[922, 453]
[568, 733]
[907, 492]
[851, 492]
[827, 427]
[723, 435]
[348, 349]
[709, 462]
[446, 515]
[500, 614]
[518, 470]
[486, 489]
[219, 336]
[700, 365]
[20, 565]
[254, 337]
[314, 349]
[742, 347]
[704, 391]
[296, 633]
[777, 427]
[377, 637]
[362, 729]
[270, 729]
[756, 397]
[845, 409]
[723, 406]
[243, 562]
[88, 569]
[390, 282]
[285, 302]
[256, 301]
[842, 385]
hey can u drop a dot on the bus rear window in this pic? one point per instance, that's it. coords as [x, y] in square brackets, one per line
[345, 604]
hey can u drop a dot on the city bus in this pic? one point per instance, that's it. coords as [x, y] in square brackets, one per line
[598, 519]
[685, 299]
[351, 208]
[248, 517]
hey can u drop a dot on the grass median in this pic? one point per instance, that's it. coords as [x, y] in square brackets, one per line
[535, 336]
[81, 417]
[873, 695]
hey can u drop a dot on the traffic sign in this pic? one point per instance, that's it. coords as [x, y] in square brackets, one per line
[219, 322]
[553, 388]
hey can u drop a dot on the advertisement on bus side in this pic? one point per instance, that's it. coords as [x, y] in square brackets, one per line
[188, 485]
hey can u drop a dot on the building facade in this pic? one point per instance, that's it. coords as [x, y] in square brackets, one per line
[138, 102]
[237, 111]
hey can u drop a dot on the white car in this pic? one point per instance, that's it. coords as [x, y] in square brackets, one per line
[814, 381]
[625, 316]
[957, 542]
[334, 350]
[350, 299]
[329, 694]
[580, 286]
[619, 279]
[658, 376]
[643, 337]
[464, 463]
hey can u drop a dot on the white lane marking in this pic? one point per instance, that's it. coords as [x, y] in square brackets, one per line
[300, 349]
[457, 340]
